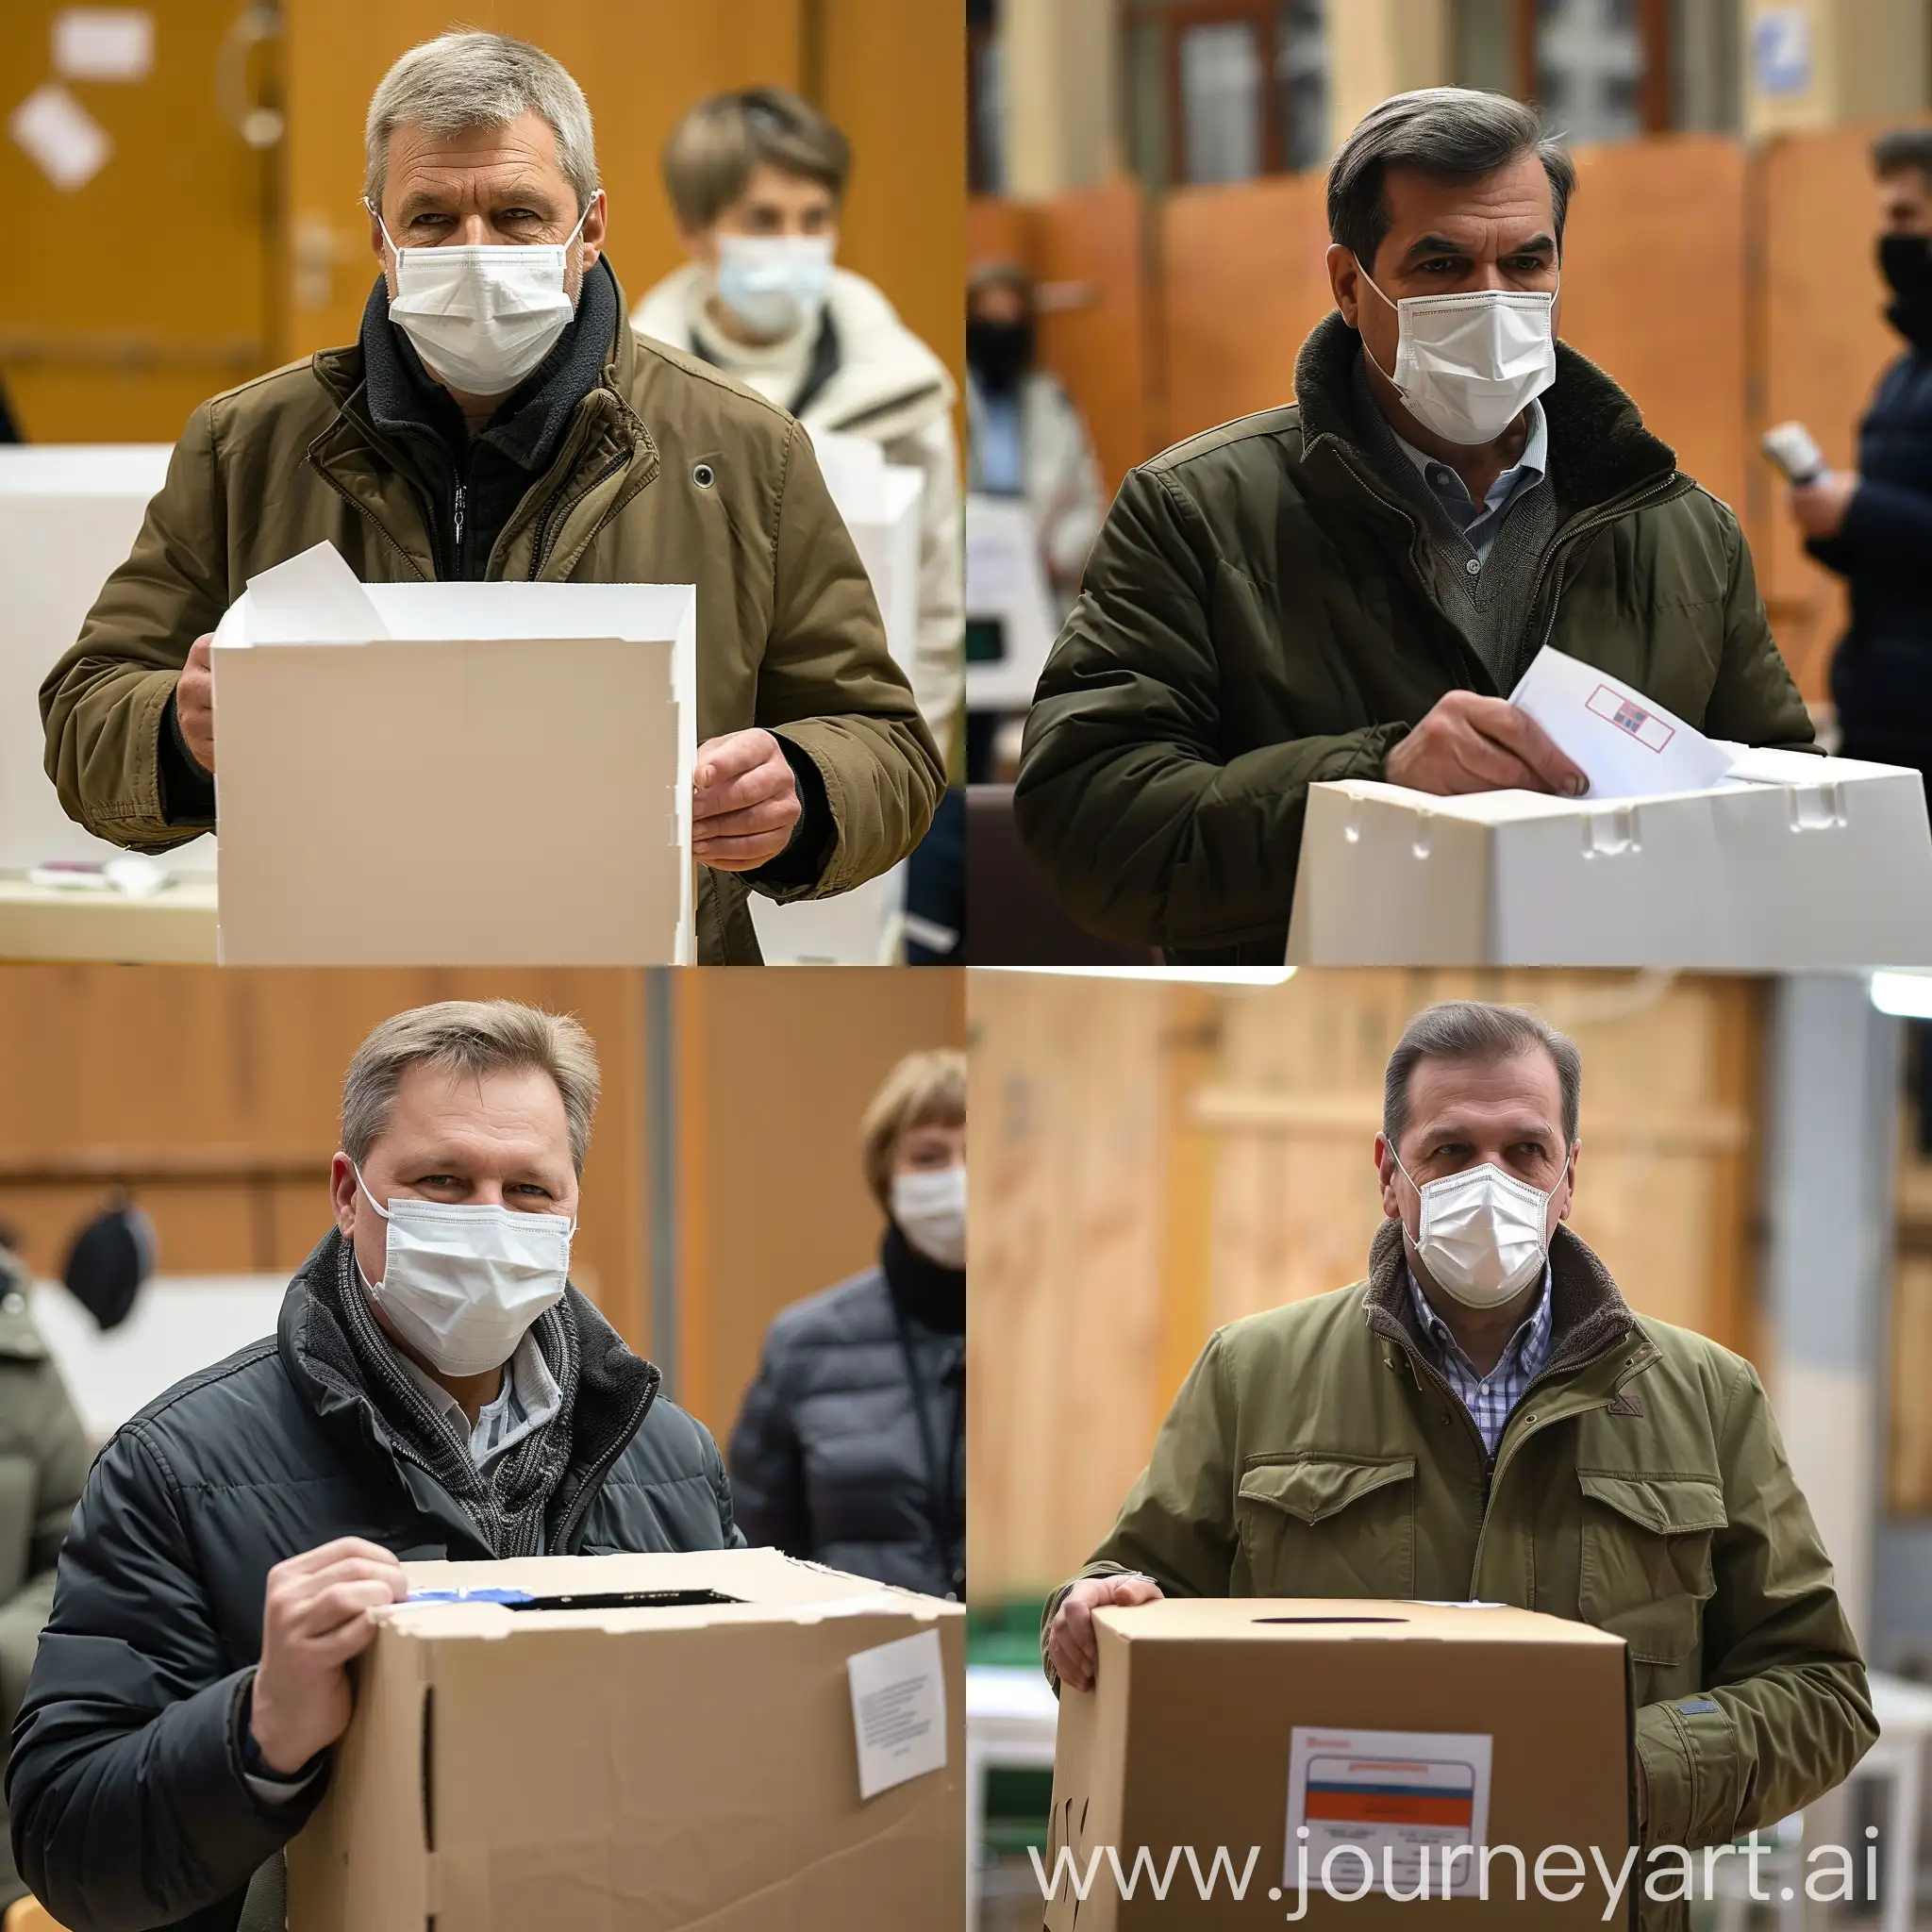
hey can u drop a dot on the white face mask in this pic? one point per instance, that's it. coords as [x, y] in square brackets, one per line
[482, 315]
[774, 284]
[929, 1207]
[1484, 1236]
[1467, 366]
[462, 1285]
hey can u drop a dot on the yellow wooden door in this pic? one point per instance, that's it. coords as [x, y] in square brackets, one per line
[138, 277]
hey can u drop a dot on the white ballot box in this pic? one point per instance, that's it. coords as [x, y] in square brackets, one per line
[1007, 603]
[460, 774]
[881, 504]
[68, 518]
[1793, 863]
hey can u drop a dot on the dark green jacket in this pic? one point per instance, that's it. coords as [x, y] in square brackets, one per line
[1641, 1486]
[43, 1459]
[1256, 617]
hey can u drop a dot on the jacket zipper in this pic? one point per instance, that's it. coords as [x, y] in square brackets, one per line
[561, 507]
[462, 497]
[594, 1476]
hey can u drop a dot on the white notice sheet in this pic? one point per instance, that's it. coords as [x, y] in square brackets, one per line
[1627, 746]
[898, 1711]
[1384, 1806]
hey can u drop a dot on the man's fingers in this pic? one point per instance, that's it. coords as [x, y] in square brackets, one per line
[1521, 734]
[767, 815]
[328, 1609]
[726, 757]
[771, 779]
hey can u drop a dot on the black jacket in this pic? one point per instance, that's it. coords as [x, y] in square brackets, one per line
[126, 1786]
[1881, 678]
[851, 1448]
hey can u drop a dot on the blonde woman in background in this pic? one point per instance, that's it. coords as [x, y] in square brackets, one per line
[850, 1447]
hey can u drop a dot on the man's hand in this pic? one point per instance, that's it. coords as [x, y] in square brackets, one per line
[1069, 1645]
[1820, 505]
[1472, 743]
[315, 1617]
[745, 802]
[195, 703]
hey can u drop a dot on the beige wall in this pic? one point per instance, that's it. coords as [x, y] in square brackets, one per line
[1869, 60]
[1060, 69]
[1382, 47]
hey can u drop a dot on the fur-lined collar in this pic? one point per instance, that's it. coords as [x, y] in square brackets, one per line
[1599, 448]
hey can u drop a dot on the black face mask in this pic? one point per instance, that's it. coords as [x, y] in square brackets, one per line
[999, 353]
[1906, 262]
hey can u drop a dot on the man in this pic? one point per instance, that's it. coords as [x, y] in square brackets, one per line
[437, 1389]
[498, 417]
[1873, 524]
[1483, 1417]
[1346, 588]
[757, 181]
[43, 1458]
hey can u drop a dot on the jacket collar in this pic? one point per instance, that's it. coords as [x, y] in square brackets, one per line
[402, 398]
[1599, 448]
[1588, 1316]
[615, 1391]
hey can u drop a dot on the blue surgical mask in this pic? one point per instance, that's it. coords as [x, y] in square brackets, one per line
[774, 284]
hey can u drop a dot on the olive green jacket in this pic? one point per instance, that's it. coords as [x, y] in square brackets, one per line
[1257, 617]
[666, 472]
[44, 1456]
[1640, 1486]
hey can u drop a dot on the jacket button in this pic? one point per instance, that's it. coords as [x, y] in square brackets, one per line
[1446, 1415]
[1474, 566]
[704, 475]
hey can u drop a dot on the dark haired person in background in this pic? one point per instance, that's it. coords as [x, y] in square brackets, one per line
[1349, 586]
[1873, 524]
[850, 1447]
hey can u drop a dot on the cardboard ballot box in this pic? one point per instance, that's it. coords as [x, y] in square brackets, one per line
[1380, 1730]
[729, 1740]
[454, 775]
[1793, 863]
[68, 518]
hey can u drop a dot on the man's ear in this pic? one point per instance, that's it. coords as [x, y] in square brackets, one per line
[341, 1195]
[1346, 282]
[1386, 1172]
[596, 222]
[1570, 1180]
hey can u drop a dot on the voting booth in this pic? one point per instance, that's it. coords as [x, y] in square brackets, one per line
[68, 518]
[454, 775]
[1686, 852]
[1009, 610]
[881, 505]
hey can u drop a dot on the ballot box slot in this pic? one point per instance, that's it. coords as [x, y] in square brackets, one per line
[628, 1600]
[1331, 1619]
[428, 1768]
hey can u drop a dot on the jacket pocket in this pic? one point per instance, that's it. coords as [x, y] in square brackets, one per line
[1646, 1571]
[1329, 1525]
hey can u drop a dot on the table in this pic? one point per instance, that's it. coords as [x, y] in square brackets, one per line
[1012, 1718]
[176, 926]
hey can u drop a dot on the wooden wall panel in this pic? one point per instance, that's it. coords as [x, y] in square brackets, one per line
[1153, 1162]
[1242, 283]
[1653, 291]
[774, 1070]
[217, 1092]
[893, 77]
[1065, 1330]
[126, 301]
[1825, 343]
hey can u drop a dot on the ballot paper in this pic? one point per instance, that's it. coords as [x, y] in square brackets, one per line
[314, 598]
[1626, 745]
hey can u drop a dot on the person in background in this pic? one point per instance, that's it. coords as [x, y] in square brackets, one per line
[44, 1456]
[1873, 524]
[757, 181]
[1025, 435]
[851, 1446]
[437, 1389]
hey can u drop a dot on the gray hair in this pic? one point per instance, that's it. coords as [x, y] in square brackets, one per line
[1446, 133]
[470, 1037]
[471, 79]
[1471, 1030]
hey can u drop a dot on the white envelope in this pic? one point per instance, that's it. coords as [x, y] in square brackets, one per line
[460, 774]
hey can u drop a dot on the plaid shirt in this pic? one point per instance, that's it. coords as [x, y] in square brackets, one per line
[1490, 1399]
